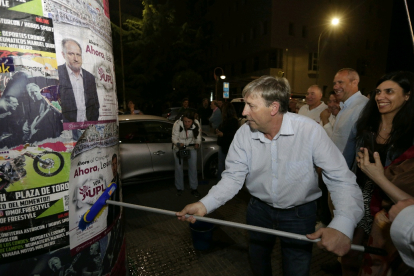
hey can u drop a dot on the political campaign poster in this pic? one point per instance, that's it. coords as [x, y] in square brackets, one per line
[90, 175]
[84, 47]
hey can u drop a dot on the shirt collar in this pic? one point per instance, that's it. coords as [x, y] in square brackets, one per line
[350, 100]
[286, 129]
[70, 72]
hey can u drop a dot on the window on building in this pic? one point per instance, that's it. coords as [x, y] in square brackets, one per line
[291, 29]
[304, 31]
[256, 63]
[313, 62]
[276, 58]
[232, 69]
[242, 37]
[251, 33]
[254, 32]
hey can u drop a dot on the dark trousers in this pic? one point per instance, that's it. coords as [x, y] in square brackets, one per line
[296, 254]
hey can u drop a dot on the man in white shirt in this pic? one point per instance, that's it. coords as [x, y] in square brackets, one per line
[314, 104]
[77, 87]
[275, 153]
[352, 102]
[402, 229]
[328, 116]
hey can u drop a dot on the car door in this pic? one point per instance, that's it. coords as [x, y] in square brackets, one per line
[160, 145]
[135, 154]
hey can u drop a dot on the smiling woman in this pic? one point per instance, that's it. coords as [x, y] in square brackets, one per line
[385, 126]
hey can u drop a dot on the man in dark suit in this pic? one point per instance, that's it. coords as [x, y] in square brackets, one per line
[77, 87]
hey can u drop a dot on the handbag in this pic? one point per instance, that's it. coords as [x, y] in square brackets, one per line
[183, 153]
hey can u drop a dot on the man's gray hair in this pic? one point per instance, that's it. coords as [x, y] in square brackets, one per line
[271, 89]
[352, 73]
[66, 40]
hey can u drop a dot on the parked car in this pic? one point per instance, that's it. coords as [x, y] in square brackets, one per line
[146, 149]
[172, 112]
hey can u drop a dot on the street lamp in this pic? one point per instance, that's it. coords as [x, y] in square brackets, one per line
[216, 77]
[334, 22]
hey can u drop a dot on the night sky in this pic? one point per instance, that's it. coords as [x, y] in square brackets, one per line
[400, 52]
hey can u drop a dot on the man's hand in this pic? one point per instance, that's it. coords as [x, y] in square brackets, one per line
[197, 209]
[398, 207]
[196, 146]
[325, 116]
[5, 114]
[332, 240]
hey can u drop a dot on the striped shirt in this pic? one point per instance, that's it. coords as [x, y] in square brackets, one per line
[281, 171]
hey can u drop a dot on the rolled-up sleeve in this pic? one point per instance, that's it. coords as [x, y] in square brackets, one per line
[341, 183]
[233, 177]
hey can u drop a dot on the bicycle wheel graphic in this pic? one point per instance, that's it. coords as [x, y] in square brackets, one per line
[52, 163]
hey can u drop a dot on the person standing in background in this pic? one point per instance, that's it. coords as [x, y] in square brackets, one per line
[186, 134]
[328, 116]
[225, 134]
[215, 119]
[314, 105]
[352, 102]
[204, 113]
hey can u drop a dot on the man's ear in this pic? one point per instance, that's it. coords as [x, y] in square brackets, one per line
[275, 106]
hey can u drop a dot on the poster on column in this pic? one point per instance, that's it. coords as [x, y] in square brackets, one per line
[29, 101]
[94, 167]
[34, 167]
[33, 202]
[84, 48]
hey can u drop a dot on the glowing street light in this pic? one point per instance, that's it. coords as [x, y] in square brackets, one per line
[334, 22]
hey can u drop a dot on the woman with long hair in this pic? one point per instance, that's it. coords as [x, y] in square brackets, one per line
[225, 134]
[186, 134]
[383, 134]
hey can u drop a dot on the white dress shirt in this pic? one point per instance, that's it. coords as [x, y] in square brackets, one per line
[281, 171]
[328, 127]
[315, 113]
[77, 86]
[346, 119]
[402, 234]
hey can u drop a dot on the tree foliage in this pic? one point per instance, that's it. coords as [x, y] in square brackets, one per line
[163, 58]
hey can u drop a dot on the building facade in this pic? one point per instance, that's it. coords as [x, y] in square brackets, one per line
[274, 37]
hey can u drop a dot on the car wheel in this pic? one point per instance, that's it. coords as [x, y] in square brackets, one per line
[211, 167]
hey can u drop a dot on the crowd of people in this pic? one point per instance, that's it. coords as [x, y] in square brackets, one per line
[345, 167]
